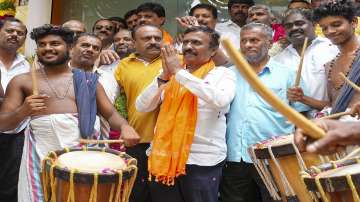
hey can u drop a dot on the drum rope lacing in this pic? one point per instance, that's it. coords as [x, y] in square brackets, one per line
[264, 173]
[52, 182]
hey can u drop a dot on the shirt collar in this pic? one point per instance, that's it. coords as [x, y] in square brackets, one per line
[133, 56]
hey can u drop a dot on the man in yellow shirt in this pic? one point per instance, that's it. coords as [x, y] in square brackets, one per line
[134, 74]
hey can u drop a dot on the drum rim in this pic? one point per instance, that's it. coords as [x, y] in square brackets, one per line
[88, 178]
[334, 183]
[281, 150]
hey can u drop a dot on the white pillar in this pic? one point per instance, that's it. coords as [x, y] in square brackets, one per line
[39, 13]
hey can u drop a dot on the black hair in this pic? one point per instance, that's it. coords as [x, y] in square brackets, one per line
[119, 19]
[103, 19]
[77, 37]
[306, 13]
[213, 35]
[129, 14]
[11, 19]
[232, 2]
[299, 1]
[134, 30]
[204, 6]
[153, 7]
[343, 8]
[48, 29]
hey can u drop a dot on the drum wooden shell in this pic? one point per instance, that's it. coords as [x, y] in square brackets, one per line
[333, 180]
[84, 181]
[286, 156]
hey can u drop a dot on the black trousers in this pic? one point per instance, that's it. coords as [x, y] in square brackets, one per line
[140, 192]
[242, 183]
[11, 146]
[200, 184]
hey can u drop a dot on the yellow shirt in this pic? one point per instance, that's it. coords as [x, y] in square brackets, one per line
[318, 30]
[134, 76]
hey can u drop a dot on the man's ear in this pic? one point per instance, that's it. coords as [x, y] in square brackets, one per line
[162, 20]
[354, 22]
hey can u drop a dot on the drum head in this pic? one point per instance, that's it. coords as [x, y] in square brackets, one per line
[91, 161]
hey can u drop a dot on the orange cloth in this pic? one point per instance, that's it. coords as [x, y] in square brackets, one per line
[175, 129]
[167, 37]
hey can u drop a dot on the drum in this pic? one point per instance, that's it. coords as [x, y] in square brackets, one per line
[279, 163]
[336, 181]
[88, 174]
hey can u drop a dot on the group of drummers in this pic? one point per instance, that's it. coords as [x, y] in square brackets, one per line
[126, 112]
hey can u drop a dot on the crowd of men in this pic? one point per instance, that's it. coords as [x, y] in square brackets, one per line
[182, 108]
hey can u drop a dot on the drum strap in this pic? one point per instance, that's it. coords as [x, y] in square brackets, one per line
[93, 194]
[71, 195]
[321, 189]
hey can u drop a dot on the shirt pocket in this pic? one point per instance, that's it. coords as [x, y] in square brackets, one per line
[278, 91]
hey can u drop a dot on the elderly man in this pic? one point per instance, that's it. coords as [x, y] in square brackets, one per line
[251, 119]
[76, 26]
[61, 90]
[12, 37]
[238, 11]
[133, 74]
[105, 30]
[298, 25]
[153, 14]
[189, 147]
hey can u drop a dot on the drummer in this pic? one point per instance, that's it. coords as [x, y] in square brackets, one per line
[251, 119]
[54, 113]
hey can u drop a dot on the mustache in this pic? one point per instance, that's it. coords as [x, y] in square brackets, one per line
[300, 31]
[157, 46]
[189, 51]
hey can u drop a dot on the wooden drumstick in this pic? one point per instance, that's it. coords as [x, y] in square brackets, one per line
[34, 80]
[337, 115]
[298, 74]
[348, 81]
[249, 74]
[85, 141]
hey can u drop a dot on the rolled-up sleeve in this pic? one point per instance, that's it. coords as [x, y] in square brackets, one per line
[219, 94]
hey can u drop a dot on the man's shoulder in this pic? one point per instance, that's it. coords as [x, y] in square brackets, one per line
[278, 67]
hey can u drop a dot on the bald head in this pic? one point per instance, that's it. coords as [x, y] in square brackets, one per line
[76, 26]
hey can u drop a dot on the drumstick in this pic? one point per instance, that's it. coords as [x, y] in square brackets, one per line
[298, 74]
[348, 81]
[337, 115]
[34, 81]
[85, 141]
[249, 74]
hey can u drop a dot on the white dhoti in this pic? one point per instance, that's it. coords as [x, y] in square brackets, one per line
[44, 134]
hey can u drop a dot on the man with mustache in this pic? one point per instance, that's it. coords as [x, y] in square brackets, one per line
[238, 11]
[62, 107]
[150, 13]
[189, 147]
[123, 46]
[251, 119]
[133, 74]
[12, 37]
[298, 25]
[105, 30]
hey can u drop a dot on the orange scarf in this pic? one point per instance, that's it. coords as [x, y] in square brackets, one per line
[175, 129]
[167, 37]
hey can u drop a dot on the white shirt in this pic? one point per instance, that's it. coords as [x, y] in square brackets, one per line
[215, 93]
[111, 67]
[317, 54]
[108, 81]
[19, 66]
[229, 30]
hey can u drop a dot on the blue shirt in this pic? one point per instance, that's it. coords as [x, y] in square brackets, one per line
[251, 119]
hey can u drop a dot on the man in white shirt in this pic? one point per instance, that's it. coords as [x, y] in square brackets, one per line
[12, 37]
[298, 25]
[238, 11]
[190, 130]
